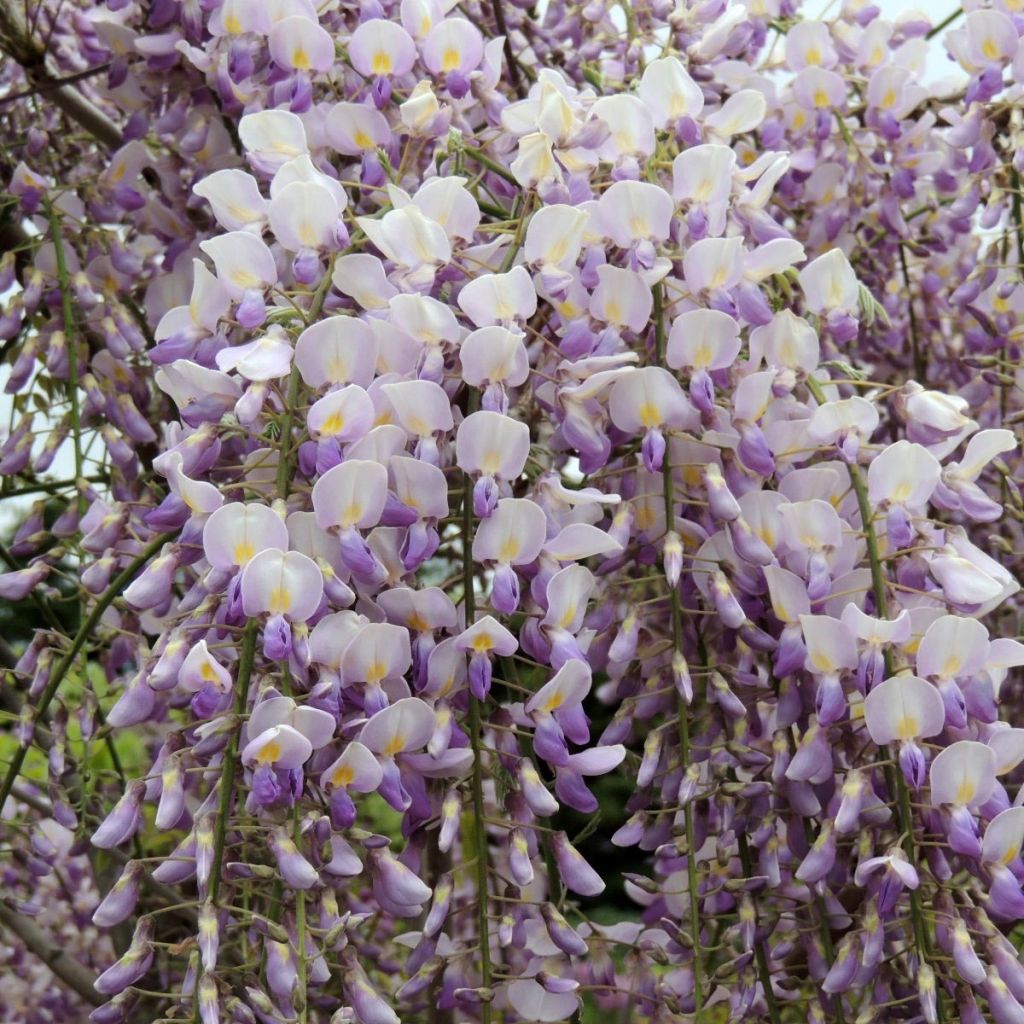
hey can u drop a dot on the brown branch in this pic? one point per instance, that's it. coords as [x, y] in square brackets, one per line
[65, 967]
[17, 42]
[55, 83]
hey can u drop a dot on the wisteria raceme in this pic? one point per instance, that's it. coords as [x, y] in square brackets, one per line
[517, 512]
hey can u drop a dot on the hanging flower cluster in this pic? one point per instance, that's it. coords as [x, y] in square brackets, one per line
[518, 456]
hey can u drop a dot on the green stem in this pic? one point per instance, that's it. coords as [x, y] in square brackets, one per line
[284, 458]
[115, 589]
[894, 779]
[283, 455]
[475, 729]
[492, 165]
[300, 929]
[945, 23]
[920, 365]
[682, 711]
[230, 763]
[64, 281]
[759, 954]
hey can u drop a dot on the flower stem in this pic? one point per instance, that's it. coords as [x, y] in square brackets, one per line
[300, 929]
[945, 23]
[682, 711]
[760, 956]
[227, 776]
[475, 728]
[894, 779]
[64, 282]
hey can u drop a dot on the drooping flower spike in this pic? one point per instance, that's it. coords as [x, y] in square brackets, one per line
[473, 413]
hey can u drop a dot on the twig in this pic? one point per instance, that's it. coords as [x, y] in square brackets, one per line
[894, 779]
[682, 711]
[63, 965]
[17, 42]
[479, 826]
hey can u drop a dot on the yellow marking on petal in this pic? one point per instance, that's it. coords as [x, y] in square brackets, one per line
[418, 623]
[650, 415]
[813, 55]
[822, 663]
[965, 794]
[821, 99]
[362, 140]
[508, 550]
[907, 727]
[799, 119]
[395, 746]
[343, 776]
[280, 600]
[567, 616]
[352, 514]
[889, 99]
[990, 49]
[244, 550]
[232, 24]
[558, 251]
[207, 672]
[244, 278]
[376, 672]
[482, 643]
[450, 60]
[382, 63]
[270, 753]
[902, 492]
[612, 312]
[554, 702]
[334, 424]
[952, 666]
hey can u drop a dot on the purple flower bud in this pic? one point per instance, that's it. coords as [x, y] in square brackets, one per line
[561, 933]
[123, 821]
[369, 1006]
[653, 450]
[577, 875]
[505, 589]
[296, 871]
[451, 810]
[356, 553]
[133, 965]
[118, 904]
[844, 969]
[485, 496]
[963, 832]
[277, 638]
